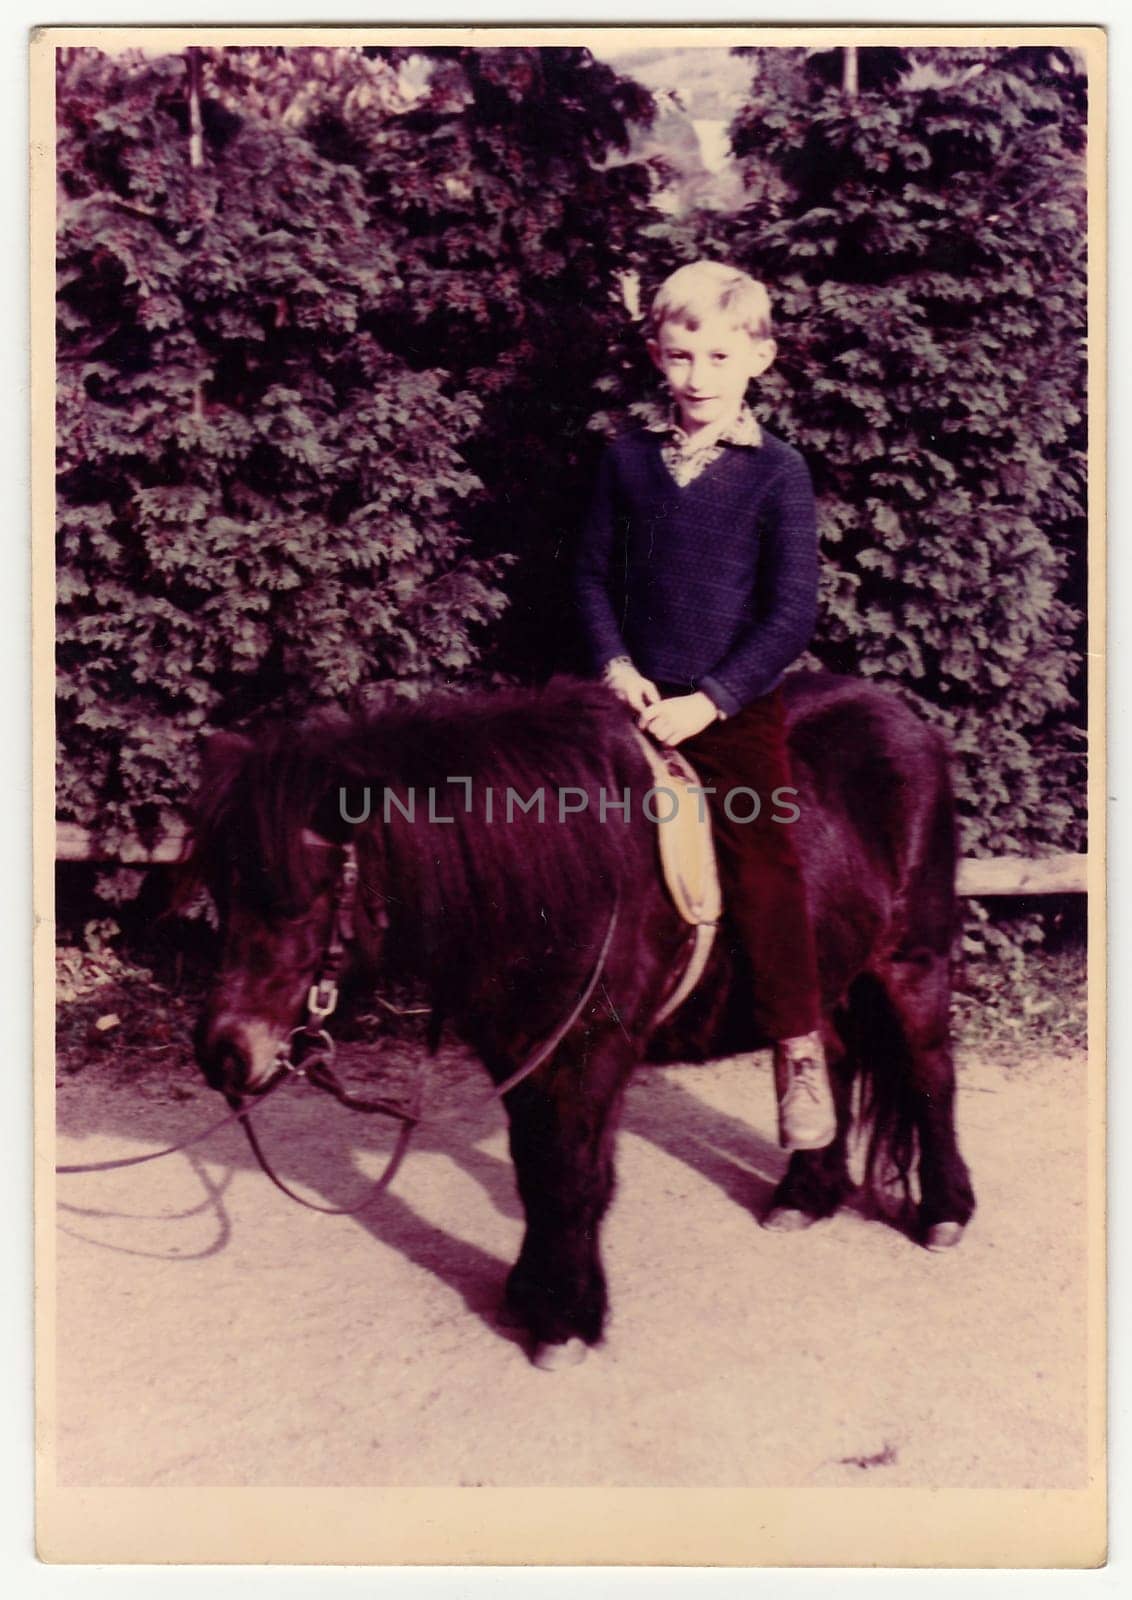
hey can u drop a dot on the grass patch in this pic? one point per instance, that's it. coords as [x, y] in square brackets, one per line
[1038, 1002]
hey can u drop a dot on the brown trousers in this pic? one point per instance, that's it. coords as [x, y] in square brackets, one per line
[763, 891]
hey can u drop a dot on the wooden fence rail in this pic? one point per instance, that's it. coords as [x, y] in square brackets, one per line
[1018, 875]
[997, 875]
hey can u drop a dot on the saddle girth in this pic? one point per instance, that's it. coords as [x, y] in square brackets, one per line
[687, 859]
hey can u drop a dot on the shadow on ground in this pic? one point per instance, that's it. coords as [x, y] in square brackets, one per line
[332, 1156]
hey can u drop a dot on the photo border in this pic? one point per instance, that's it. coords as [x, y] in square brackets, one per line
[609, 1526]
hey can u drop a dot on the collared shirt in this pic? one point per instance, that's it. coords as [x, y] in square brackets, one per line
[686, 455]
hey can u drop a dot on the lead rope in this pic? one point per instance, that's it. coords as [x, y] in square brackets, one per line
[316, 1068]
[409, 1124]
[319, 1072]
[171, 1149]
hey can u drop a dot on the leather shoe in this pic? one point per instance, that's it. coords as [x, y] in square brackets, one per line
[807, 1119]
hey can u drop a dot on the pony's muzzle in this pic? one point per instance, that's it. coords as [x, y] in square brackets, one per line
[236, 1057]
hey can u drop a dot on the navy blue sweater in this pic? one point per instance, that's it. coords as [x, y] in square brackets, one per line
[712, 586]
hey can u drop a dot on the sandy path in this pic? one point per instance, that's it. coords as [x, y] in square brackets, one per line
[212, 1333]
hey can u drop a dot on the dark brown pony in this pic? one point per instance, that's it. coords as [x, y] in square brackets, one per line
[503, 916]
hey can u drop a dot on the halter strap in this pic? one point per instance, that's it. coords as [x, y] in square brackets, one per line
[323, 996]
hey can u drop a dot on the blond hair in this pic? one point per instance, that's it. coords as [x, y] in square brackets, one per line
[703, 288]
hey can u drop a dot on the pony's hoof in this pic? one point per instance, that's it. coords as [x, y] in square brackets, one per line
[787, 1219]
[943, 1236]
[556, 1357]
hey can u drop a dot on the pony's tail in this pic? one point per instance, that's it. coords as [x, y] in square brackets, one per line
[928, 922]
[886, 1109]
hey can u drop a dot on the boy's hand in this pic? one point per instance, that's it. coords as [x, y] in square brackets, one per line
[632, 687]
[673, 721]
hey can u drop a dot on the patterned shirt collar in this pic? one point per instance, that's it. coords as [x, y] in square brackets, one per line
[687, 457]
[742, 429]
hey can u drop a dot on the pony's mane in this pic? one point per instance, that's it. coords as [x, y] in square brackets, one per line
[463, 897]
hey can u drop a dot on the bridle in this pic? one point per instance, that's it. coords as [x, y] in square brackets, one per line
[323, 996]
[309, 1051]
[308, 1055]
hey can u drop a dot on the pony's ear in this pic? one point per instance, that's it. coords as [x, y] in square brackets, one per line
[224, 755]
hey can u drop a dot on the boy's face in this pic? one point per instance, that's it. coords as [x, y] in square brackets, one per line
[709, 367]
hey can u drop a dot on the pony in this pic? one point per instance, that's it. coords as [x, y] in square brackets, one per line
[507, 911]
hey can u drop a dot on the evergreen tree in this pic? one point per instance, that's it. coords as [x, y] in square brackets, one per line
[925, 243]
[310, 302]
[509, 180]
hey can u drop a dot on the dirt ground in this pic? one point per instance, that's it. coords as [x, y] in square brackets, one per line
[210, 1332]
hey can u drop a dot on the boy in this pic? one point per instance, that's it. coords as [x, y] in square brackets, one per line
[697, 583]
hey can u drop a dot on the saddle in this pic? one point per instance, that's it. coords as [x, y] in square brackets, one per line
[687, 859]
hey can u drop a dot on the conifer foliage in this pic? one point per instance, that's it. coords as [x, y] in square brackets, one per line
[925, 239]
[304, 300]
